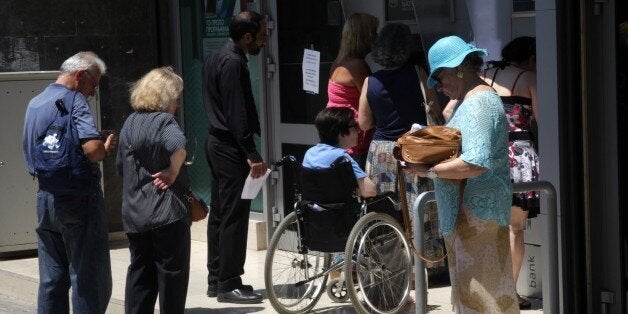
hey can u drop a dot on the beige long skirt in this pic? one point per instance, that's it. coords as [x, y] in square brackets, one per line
[480, 267]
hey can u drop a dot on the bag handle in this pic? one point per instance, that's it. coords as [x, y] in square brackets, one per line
[432, 108]
[401, 182]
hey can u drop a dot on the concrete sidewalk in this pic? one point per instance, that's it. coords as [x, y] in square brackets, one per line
[19, 280]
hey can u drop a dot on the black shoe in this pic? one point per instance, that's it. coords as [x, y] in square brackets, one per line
[212, 290]
[240, 296]
[523, 303]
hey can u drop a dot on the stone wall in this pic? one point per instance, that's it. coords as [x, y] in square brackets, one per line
[37, 35]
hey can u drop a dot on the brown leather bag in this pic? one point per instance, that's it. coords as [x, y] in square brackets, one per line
[198, 208]
[429, 145]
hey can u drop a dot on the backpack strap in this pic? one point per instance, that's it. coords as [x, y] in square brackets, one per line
[66, 104]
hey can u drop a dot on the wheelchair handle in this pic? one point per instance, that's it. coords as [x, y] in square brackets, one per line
[285, 159]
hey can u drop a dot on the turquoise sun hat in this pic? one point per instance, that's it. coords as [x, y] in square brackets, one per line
[449, 52]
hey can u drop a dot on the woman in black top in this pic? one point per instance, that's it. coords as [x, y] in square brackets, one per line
[390, 103]
[155, 216]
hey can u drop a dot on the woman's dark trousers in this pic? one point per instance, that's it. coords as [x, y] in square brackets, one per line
[160, 264]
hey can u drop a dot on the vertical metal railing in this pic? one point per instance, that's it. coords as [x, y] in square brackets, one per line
[549, 247]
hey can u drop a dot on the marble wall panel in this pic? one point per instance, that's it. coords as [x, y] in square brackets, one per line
[19, 54]
[24, 18]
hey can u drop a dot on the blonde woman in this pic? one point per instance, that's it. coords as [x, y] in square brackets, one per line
[155, 216]
[349, 71]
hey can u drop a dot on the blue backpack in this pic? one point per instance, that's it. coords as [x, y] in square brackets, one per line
[61, 166]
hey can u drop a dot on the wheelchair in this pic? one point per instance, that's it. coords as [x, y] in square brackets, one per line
[330, 217]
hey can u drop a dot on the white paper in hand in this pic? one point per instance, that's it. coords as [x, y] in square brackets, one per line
[252, 186]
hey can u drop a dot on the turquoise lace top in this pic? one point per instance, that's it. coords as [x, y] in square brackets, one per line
[482, 123]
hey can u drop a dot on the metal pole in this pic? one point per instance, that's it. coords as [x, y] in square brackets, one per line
[420, 293]
[550, 246]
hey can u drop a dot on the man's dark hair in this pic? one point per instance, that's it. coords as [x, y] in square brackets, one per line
[245, 22]
[332, 122]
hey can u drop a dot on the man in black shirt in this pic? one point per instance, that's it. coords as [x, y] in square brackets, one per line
[231, 154]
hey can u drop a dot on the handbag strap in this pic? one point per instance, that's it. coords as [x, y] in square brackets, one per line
[435, 117]
[401, 182]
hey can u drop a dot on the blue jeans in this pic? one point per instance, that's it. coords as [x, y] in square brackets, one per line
[73, 249]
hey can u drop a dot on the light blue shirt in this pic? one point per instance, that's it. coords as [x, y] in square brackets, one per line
[482, 122]
[322, 156]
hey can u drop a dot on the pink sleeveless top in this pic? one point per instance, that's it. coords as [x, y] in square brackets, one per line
[346, 96]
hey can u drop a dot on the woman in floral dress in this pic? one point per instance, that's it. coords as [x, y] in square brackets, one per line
[514, 79]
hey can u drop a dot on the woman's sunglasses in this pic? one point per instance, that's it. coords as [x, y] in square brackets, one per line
[436, 77]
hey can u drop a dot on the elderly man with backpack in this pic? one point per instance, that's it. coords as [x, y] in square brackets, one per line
[61, 148]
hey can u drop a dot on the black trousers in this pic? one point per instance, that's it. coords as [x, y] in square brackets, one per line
[160, 263]
[228, 223]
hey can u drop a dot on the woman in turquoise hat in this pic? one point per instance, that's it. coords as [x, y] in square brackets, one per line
[475, 223]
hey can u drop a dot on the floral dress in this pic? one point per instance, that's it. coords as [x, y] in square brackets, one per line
[523, 157]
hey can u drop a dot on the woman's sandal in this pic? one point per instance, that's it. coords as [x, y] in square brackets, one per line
[523, 303]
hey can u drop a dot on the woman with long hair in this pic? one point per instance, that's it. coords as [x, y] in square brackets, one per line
[349, 71]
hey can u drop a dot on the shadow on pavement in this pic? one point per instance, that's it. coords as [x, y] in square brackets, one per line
[227, 310]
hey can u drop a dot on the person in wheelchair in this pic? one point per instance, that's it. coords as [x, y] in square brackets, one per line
[332, 217]
[337, 131]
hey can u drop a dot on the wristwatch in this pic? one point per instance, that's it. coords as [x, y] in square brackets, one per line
[431, 173]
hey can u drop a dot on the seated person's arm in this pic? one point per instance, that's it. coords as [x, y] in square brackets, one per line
[367, 187]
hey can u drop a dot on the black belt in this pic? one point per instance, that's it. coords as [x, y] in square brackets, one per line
[220, 133]
[519, 136]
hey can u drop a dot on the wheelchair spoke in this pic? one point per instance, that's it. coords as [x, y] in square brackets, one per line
[292, 279]
[383, 264]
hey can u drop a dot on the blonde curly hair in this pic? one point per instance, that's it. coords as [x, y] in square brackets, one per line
[156, 90]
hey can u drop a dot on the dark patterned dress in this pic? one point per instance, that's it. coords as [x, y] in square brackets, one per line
[396, 101]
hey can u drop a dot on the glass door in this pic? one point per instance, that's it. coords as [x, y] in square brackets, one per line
[295, 26]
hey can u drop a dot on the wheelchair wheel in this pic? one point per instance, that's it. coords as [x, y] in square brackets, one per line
[288, 274]
[381, 265]
[337, 292]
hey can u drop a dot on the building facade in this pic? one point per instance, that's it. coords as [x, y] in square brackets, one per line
[582, 51]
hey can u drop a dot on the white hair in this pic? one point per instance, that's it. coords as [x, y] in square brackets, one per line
[83, 60]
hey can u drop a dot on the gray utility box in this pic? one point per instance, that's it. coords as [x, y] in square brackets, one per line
[18, 215]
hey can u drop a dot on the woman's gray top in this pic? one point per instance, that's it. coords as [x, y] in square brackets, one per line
[146, 142]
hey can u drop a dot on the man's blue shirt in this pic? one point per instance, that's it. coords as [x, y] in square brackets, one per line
[41, 112]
